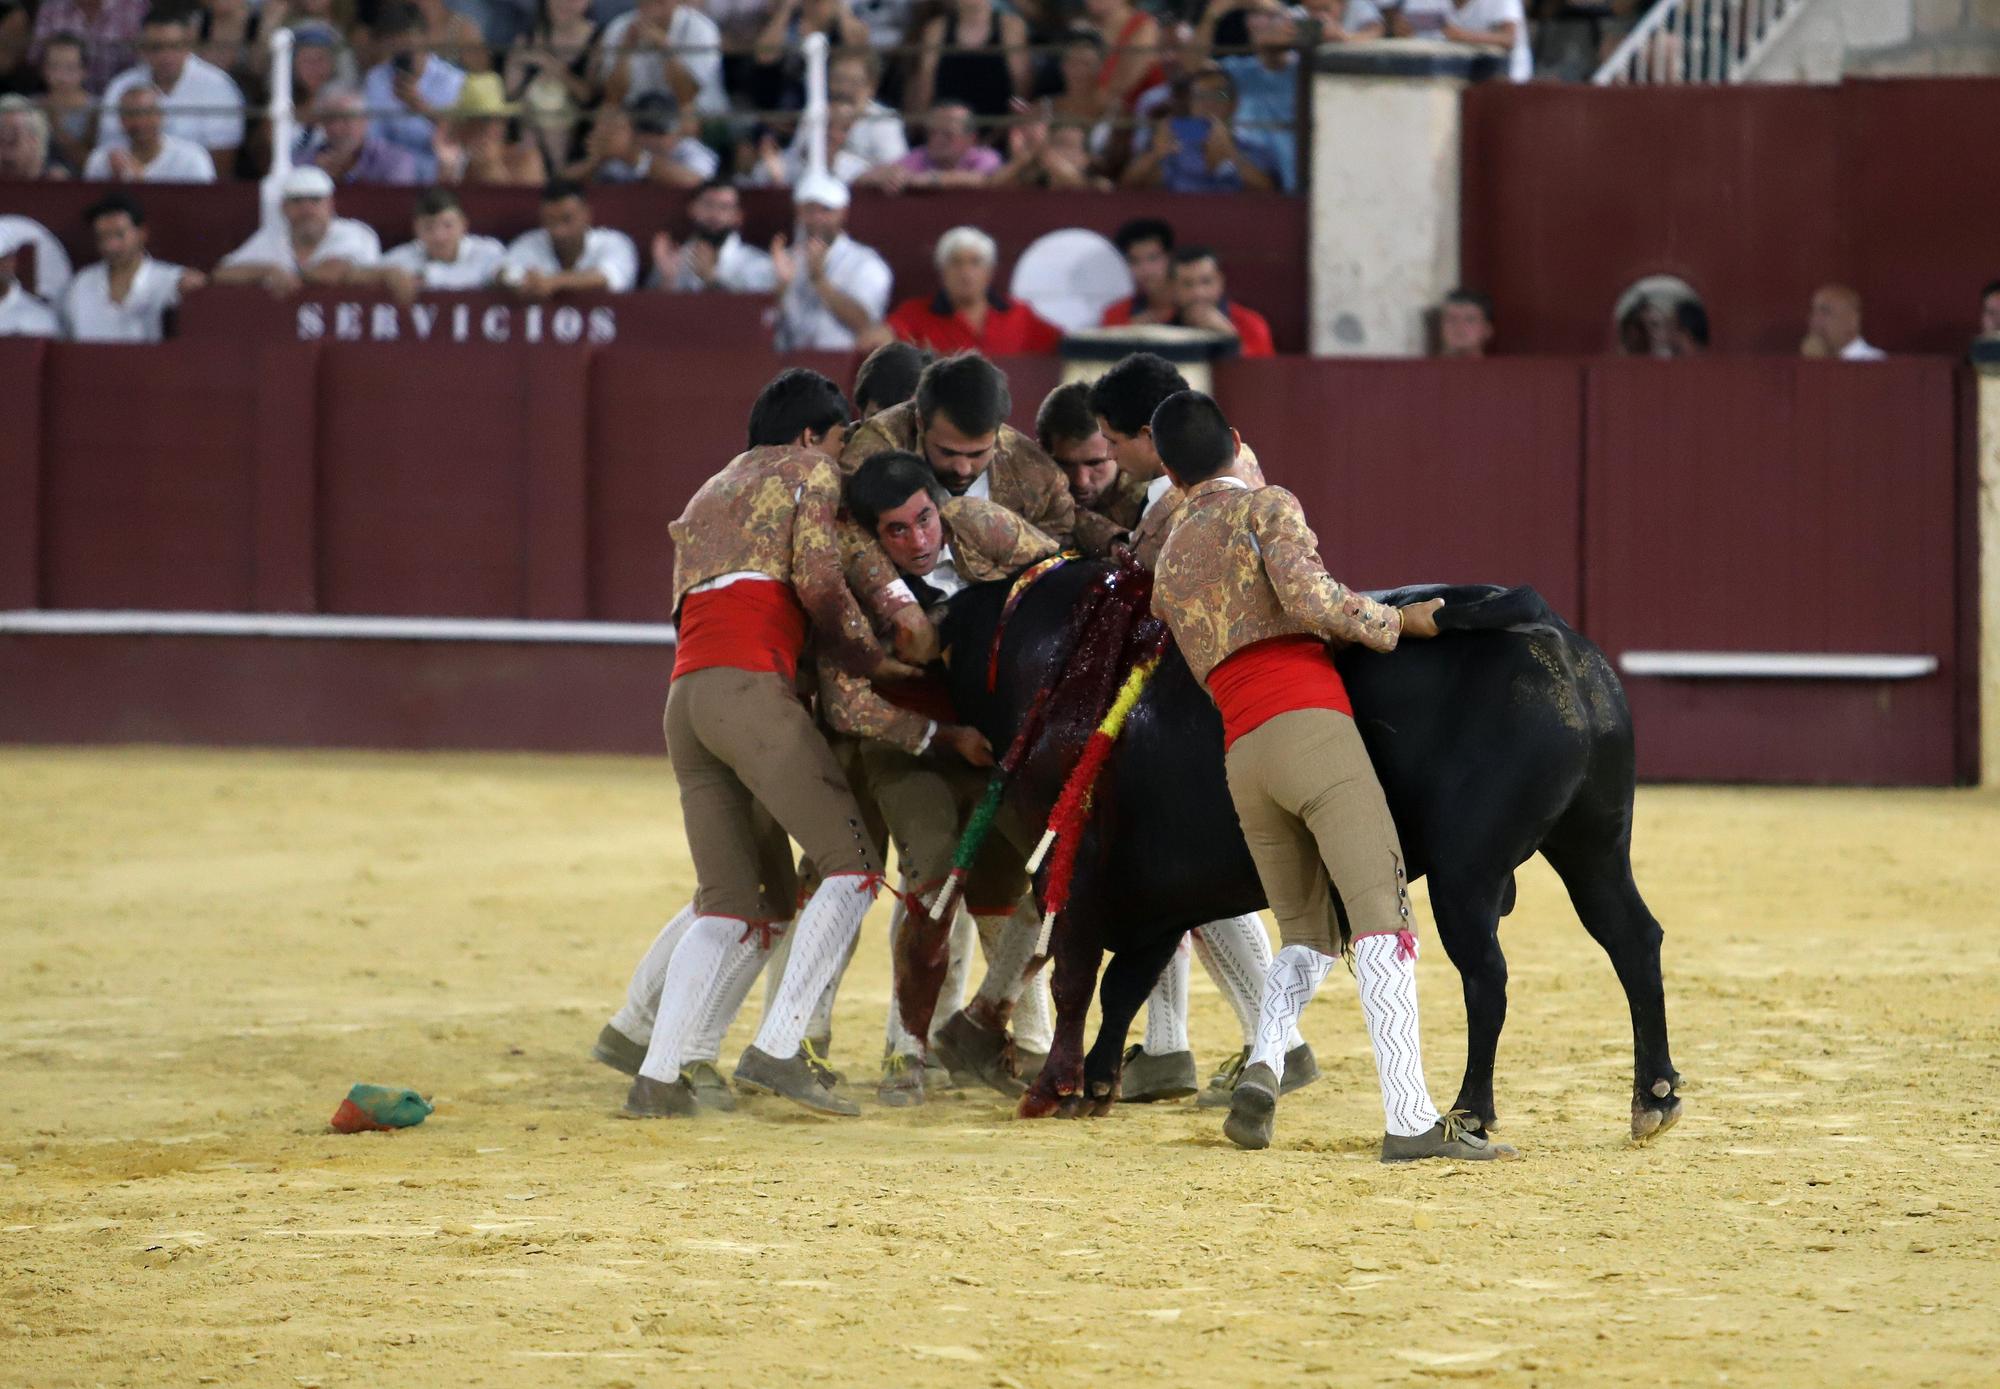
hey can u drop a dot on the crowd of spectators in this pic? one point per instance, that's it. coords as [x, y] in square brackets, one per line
[1188, 95]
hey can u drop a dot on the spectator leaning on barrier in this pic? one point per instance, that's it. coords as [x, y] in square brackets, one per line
[474, 142]
[664, 46]
[1465, 324]
[715, 255]
[67, 104]
[126, 295]
[1266, 82]
[967, 314]
[1989, 311]
[342, 142]
[201, 102]
[666, 148]
[1203, 296]
[1500, 25]
[22, 315]
[1833, 327]
[109, 29]
[444, 255]
[566, 253]
[1197, 149]
[313, 246]
[24, 141]
[831, 289]
[149, 154]
[1147, 243]
[411, 89]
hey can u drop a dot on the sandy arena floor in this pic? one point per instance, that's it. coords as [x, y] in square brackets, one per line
[203, 950]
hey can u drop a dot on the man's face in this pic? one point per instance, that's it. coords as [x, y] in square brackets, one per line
[718, 212]
[822, 222]
[956, 457]
[1148, 262]
[1270, 26]
[847, 82]
[441, 233]
[912, 533]
[1134, 453]
[966, 276]
[165, 47]
[17, 146]
[1198, 285]
[62, 66]
[1209, 96]
[1080, 64]
[1989, 316]
[312, 66]
[118, 240]
[345, 127]
[308, 217]
[950, 138]
[1088, 464]
[1835, 319]
[1464, 330]
[655, 12]
[566, 220]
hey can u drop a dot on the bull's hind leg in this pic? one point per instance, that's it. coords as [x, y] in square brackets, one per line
[1599, 879]
[1128, 981]
[1467, 908]
[1078, 950]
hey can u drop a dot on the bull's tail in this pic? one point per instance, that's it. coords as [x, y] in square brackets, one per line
[1515, 607]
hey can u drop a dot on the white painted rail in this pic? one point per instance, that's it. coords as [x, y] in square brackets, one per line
[1774, 665]
[1681, 41]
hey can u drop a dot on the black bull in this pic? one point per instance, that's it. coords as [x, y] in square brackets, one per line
[1506, 735]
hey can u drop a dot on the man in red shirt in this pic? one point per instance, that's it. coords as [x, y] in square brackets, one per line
[1203, 297]
[1147, 243]
[966, 315]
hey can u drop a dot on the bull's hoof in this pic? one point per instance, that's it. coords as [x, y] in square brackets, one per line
[1044, 1101]
[1103, 1094]
[1653, 1114]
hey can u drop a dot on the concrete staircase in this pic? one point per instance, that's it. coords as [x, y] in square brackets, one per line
[1832, 39]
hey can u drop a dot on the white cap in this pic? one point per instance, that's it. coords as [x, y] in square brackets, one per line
[823, 190]
[308, 181]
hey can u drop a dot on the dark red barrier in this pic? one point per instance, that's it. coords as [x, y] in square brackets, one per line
[21, 474]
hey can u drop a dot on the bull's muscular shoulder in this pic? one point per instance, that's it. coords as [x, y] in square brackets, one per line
[892, 429]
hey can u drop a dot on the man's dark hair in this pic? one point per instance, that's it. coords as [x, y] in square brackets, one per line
[432, 201]
[168, 12]
[968, 390]
[1191, 255]
[558, 189]
[1066, 416]
[1193, 436]
[397, 20]
[66, 38]
[797, 401]
[885, 481]
[1126, 396]
[110, 205]
[1989, 291]
[709, 185]
[889, 376]
[1082, 36]
[1479, 301]
[1693, 320]
[1143, 229]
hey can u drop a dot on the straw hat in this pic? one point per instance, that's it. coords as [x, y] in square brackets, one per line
[482, 97]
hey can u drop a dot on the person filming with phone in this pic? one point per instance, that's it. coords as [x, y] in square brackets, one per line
[1197, 148]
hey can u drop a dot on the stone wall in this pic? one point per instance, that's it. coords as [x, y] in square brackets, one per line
[1887, 38]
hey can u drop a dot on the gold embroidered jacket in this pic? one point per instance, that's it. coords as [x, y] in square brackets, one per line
[1122, 503]
[1151, 533]
[771, 511]
[1242, 566]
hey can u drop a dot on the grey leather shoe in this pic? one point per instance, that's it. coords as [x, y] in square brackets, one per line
[1222, 1084]
[1301, 1069]
[972, 1052]
[618, 1051]
[798, 1078]
[1450, 1137]
[1253, 1108]
[659, 1099]
[711, 1091]
[902, 1083]
[1146, 1078]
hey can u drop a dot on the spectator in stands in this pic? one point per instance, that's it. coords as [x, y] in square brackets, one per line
[411, 88]
[888, 22]
[68, 106]
[107, 29]
[1147, 244]
[1465, 324]
[24, 142]
[444, 254]
[149, 154]
[1689, 332]
[320, 58]
[664, 46]
[1197, 149]
[831, 289]
[777, 77]
[552, 71]
[876, 137]
[889, 377]
[1989, 311]
[1346, 21]
[125, 297]
[477, 142]
[566, 253]
[974, 55]
[201, 101]
[1045, 155]
[1833, 327]
[1134, 48]
[453, 36]
[1079, 58]
[22, 315]
[951, 155]
[17, 30]
[229, 34]
[342, 142]
[1497, 25]
[1266, 82]
[967, 314]
[1203, 296]
[715, 255]
[313, 247]
[666, 148]
[783, 167]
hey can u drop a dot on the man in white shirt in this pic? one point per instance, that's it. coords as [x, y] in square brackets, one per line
[444, 255]
[830, 286]
[1833, 327]
[413, 86]
[149, 154]
[313, 246]
[202, 103]
[126, 295]
[1500, 25]
[664, 46]
[22, 315]
[568, 253]
[670, 150]
[876, 135]
[715, 255]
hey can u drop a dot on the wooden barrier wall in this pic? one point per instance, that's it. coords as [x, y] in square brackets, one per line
[1746, 505]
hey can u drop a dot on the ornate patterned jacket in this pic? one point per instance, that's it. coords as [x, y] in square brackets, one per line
[1123, 502]
[1151, 531]
[771, 511]
[987, 542]
[1242, 566]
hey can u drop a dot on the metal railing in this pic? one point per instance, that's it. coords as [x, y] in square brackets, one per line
[1683, 41]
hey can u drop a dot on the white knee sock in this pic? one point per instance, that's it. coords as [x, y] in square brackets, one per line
[1289, 985]
[1034, 1016]
[820, 944]
[1237, 955]
[1385, 971]
[1166, 1006]
[694, 975]
[951, 994]
[1009, 943]
[642, 994]
[820, 1024]
[732, 990]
